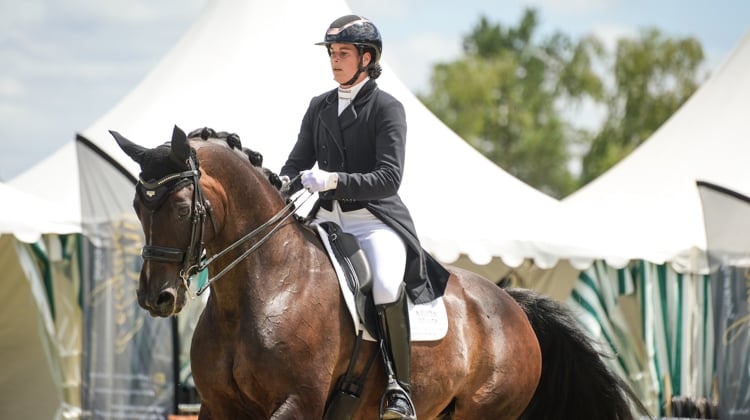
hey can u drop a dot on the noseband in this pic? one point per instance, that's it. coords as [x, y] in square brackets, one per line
[192, 258]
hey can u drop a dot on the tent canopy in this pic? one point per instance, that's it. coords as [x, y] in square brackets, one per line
[28, 217]
[647, 206]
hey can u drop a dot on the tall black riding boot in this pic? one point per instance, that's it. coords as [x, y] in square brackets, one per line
[393, 320]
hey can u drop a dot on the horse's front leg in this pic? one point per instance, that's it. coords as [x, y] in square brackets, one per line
[204, 413]
[292, 408]
[228, 410]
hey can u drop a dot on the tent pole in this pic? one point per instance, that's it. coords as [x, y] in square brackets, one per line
[176, 363]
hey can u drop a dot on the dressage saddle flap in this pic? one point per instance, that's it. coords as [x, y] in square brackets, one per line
[353, 262]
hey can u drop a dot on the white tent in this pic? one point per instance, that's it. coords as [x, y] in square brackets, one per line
[27, 216]
[38, 333]
[55, 179]
[30, 362]
[648, 205]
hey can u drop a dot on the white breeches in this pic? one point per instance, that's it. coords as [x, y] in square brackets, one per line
[384, 249]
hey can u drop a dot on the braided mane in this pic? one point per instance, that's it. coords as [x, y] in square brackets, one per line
[234, 142]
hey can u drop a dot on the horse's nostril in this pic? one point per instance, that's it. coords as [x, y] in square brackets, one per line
[165, 298]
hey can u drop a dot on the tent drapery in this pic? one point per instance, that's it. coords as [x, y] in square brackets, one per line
[727, 219]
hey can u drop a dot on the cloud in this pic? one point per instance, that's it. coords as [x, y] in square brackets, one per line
[66, 63]
[381, 9]
[126, 11]
[11, 87]
[609, 34]
[571, 7]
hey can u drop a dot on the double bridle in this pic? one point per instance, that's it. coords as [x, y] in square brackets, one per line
[192, 258]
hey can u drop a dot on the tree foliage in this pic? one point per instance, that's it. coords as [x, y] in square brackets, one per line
[508, 92]
[653, 76]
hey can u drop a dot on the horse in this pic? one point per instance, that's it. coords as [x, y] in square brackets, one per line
[275, 336]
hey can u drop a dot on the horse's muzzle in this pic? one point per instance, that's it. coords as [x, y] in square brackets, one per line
[165, 303]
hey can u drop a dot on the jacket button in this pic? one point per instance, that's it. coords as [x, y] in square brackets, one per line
[325, 162]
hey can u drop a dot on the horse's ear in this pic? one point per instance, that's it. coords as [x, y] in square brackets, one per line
[133, 150]
[180, 146]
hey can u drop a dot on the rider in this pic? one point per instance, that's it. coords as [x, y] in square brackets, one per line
[356, 133]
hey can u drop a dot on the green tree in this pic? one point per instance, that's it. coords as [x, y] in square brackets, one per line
[507, 95]
[653, 76]
[503, 96]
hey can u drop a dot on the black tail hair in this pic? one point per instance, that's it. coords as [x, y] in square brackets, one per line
[575, 382]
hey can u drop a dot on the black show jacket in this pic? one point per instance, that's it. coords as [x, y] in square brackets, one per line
[366, 146]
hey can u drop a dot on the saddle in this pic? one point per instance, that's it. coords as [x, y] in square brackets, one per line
[428, 321]
[356, 271]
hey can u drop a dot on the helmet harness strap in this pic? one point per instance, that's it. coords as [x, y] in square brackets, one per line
[360, 66]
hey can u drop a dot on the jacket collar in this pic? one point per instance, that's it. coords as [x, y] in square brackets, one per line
[349, 116]
[334, 123]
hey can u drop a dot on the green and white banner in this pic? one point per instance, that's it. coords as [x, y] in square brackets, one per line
[127, 354]
[654, 323]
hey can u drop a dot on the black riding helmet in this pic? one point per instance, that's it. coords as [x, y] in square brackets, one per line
[360, 32]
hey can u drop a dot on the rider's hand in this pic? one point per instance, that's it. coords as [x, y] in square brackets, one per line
[317, 180]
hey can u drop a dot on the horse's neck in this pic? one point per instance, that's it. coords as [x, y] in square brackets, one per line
[269, 279]
[263, 275]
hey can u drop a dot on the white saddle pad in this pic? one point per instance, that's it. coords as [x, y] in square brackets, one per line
[429, 321]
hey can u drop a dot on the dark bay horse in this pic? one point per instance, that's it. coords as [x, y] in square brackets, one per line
[275, 334]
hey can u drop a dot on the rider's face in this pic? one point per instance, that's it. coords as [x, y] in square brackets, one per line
[345, 62]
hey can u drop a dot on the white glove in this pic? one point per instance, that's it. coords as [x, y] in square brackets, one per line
[317, 180]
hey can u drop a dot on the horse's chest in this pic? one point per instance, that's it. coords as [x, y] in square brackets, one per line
[261, 356]
[230, 368]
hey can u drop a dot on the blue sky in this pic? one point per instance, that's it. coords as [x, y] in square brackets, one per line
[66, 63]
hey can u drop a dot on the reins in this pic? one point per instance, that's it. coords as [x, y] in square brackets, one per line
[277, 218]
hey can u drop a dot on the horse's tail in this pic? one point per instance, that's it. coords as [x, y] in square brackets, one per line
[575, 382]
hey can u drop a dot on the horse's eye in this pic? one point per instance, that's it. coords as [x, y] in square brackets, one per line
[183, 212]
